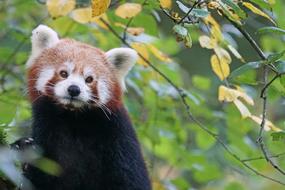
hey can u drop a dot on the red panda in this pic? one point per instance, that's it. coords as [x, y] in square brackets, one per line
[79, 120]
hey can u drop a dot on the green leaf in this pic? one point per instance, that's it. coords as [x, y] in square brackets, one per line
[5, 52]
[7, 112]
[272, 58]
[236, 8]
[262, 3]
[192, 97]
[188, 41]
[246, 67]
[277, 136]
[203, 174]
[182, 34]
[280, 65]
[150, 5]
[203, 141]
[180, 31]
[282, 80]
[201, 82]
[3, 136]
[234, 186]
[182, 7]
[201, 13]
[271, 30]
[48, 166]
[227, 12]
[181, 183]
[147, 22]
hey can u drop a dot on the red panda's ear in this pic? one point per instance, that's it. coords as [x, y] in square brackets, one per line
[42, 37]
[123, 59]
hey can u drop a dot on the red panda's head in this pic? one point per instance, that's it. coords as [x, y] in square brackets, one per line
[75, 74]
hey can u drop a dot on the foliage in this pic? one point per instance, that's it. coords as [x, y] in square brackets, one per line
[198, 47]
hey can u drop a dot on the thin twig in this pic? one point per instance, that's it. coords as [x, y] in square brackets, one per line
[187, 107]
[189, 11]
[130, 21]
[264, 109]
[256, 47]
[252, 42]
[168, 15]
[263, 122]
[262, 157]
[126, 28]
[269, 83]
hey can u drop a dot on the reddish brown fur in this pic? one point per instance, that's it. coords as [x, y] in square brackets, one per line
[82, 56]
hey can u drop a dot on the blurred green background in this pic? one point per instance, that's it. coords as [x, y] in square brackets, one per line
[178, 153]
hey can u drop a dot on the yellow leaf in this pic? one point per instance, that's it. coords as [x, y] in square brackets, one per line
[242, 108]
[230, 95]
[175, 15]
[257, 11]
[99, 22]
[82, 15]
[120, 24]
[235, 17]
[207, 42]
[166, 4]
[57, 8]
[213, 5]
[227, 94]
[135, 30]
[267, 126]
[158, 54]
[215, 27]
[99, 7]
[244, 96]
[221, 69]
[132, 30]
[142, 49]
[128, 10]
[236, 53]
[223, 55]
[157, 185]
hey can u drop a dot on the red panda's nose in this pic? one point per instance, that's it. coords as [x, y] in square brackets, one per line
[73, 90]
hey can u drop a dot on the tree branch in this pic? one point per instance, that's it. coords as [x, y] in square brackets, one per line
[126, 28]
[256, 47]
[130, 21]
[187, 107]
[263, 90]
[189, 11]
[262, 157]
[263, 122]
[251, 41]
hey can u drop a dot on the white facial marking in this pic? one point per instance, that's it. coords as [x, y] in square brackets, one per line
[103, 91]
[61, 91]
[45, 75]
[88, 72]
[69, 66]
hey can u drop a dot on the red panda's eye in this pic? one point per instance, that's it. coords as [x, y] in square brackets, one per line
[89, 79]
[63, 74]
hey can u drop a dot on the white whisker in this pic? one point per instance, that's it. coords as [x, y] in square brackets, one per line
[103, 107]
